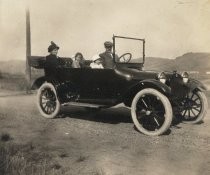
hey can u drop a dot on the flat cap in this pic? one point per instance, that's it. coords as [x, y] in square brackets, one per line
[108, 44]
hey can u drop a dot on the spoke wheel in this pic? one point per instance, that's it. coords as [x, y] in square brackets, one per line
[193, 107]
[151, 112]
[48, 103]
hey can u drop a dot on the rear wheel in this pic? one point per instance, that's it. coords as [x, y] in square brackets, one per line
[48, 103]
[151, 112]
[194, 107]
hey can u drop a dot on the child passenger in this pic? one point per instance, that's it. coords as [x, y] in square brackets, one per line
[78, 61]
[97, 63]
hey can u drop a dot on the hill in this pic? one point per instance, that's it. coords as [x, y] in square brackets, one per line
[188, 62]
[194, 62]
[199, 62]
[160, 64]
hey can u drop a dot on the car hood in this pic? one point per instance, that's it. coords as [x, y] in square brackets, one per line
[136, 74]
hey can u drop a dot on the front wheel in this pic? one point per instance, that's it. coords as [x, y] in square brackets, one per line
[151, 112]
[48, 103]
[194, 107]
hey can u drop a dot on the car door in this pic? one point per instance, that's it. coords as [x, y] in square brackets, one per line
[71, 78]
[99, 83]
[92, 83]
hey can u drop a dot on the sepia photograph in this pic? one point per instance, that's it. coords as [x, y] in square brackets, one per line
[103, 87]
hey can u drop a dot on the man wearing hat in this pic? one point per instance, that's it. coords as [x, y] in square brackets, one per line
[52, 60]
[107, 56]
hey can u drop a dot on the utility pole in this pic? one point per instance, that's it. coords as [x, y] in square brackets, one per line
[28, 51]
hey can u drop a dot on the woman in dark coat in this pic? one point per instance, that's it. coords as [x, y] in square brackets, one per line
[52, 60]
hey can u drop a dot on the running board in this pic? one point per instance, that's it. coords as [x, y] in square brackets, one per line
[83, 105]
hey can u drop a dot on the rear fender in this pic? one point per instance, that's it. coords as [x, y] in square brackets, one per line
[60, 88]
[38, 82]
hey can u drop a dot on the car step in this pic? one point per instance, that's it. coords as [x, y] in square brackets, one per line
[82, 105]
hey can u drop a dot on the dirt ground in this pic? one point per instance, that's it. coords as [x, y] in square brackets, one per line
[105, 142]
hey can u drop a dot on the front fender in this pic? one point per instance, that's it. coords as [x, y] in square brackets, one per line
[163, 88]
[150, 83]
[196, 85]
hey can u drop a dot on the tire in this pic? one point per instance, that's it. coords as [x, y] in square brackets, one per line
[154, 112]
[47, 101]
[194, 107]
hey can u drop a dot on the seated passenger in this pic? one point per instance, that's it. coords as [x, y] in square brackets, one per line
[97, 63]
[68, 62]
[107, 56]
[52, 60]
[78, 61]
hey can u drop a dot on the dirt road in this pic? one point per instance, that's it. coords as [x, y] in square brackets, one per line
[106, 142]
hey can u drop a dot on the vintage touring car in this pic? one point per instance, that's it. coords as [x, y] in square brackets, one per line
[154, 98]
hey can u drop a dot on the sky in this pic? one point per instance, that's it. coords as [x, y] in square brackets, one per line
[171, 28]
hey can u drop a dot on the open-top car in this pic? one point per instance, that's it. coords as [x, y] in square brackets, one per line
[154, 98]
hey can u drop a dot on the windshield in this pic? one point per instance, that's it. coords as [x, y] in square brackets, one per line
[129, 50]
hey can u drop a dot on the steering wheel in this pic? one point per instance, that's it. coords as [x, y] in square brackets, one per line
[125, 58]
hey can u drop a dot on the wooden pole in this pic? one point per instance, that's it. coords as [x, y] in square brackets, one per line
[28, 51]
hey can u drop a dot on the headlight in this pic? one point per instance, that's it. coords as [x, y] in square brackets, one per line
[185, 77]
[162, 77]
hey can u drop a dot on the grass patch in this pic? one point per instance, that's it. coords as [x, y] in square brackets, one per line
[81, 158]
[15, 82]
[56, 166]
[99, 172]
[63, 155]
[208, 97]
[26, 160]
[5, 137]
